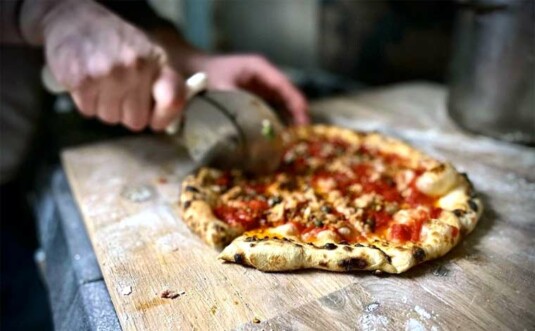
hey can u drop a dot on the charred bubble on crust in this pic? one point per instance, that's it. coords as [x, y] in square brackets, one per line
[473, 205]
[348, 248]
[353, 263]
[459, 212]
[330, 246]
[193, 189]
[238, 258]
[186, 204]
[418, 253]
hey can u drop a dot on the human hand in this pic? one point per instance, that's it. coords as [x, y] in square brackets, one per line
[112, 69]
[255, 74]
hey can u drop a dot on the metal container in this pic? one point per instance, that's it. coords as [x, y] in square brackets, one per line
[492, 87]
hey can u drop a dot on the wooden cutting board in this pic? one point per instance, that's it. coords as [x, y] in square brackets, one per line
[127, 192]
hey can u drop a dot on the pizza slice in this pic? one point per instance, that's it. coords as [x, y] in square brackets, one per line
[341, 200]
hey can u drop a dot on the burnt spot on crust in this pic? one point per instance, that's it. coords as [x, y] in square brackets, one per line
[458, 212]
[387, 257]
[298, 245]
[419, 254]
[353, 263]
[252, 245]
[359, 245]
[348, 248]
[238, 258]
[471, 191]
[323, 264]
[439, 168]
[330, 246]
[473, 205]
[193, 189]
[311, 244]
[186, 204]
[250, 239]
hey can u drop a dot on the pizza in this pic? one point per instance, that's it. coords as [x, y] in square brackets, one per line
[341, 200]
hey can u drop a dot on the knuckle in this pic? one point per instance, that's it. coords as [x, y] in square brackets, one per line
[108, 118]
[135, 125]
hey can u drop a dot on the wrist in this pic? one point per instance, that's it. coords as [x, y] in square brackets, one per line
[183, 56]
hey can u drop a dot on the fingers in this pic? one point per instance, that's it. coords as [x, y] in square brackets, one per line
[169, 97]
[85, 99]
[136, 105]
[279, 87]
[109, 101]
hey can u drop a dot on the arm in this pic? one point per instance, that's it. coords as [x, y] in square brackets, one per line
[250, 72]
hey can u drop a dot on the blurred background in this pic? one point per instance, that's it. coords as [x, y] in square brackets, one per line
[370, 42]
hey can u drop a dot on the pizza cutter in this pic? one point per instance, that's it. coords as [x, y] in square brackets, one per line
[224, 129]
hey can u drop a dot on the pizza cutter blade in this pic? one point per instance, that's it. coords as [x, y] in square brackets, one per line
[232, 129]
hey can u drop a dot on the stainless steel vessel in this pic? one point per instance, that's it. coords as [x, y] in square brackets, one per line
[492, 87]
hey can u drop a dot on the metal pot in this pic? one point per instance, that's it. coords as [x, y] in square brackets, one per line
[492, 87]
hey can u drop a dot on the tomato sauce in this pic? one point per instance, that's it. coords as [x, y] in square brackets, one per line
[247, 215]
[376, 218]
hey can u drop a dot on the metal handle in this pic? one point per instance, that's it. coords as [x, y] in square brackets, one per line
[194, 85]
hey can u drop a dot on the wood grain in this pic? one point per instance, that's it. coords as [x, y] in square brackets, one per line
[144, 249]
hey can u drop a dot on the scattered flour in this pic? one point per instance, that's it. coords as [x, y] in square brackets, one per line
[414, 325]
[422, 312]
[372, 322]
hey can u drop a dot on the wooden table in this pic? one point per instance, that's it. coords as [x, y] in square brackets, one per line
[127, 192]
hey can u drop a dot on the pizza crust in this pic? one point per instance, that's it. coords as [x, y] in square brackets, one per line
[279, 249]
[196, 203]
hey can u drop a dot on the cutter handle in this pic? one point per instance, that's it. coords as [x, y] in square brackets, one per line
[194, 85]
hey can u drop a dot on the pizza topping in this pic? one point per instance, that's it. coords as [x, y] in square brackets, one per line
[329, 189]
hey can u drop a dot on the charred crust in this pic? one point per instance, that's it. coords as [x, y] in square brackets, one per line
[353, 263]
[193, 189]
[323, 264]
[458, 212]
[439, 168]
[469, 182]
[186, 204]
[252, 245]
[359, 245]
[473, 205]
[348, 248]
[250, 239]
[298, 245]
[310, 244]
[387, 257]
[418, 254]
[330, 246]
[238, 258]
